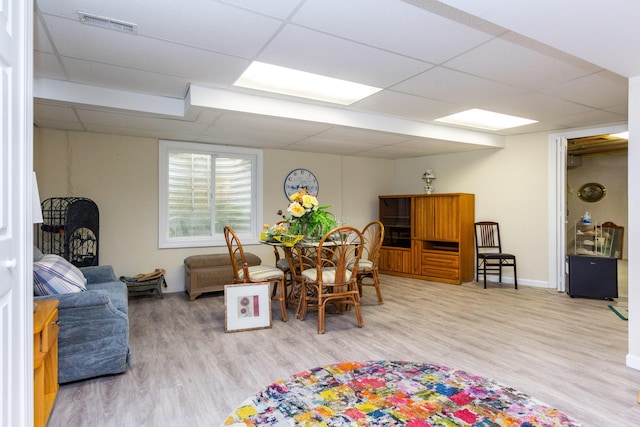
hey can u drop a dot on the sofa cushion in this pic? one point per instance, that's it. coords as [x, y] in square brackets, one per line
[117, 291]
[53, 275]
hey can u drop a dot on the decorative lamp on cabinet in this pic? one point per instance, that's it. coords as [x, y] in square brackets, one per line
[428, 178]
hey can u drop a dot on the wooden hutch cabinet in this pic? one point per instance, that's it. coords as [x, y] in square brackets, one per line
[428, 236]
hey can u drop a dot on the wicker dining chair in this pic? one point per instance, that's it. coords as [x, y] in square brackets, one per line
[373, 234]
[243, 273]
[331, 281]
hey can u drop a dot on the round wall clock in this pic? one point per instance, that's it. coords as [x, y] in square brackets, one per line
[298, 179]
[592, 192]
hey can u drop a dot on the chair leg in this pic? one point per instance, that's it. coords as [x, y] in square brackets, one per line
[321, 304]
[484, 265]
[376, 282]
[356, 306]
[515, 274]
[279, 288]
[283, 299]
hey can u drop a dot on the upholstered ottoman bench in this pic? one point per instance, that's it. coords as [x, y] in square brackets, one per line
[209, 273]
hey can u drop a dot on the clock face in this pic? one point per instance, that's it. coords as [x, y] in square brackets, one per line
[298, 179]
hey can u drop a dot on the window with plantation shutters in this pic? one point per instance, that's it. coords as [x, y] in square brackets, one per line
[205, 187]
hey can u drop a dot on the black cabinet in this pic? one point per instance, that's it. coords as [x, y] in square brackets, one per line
[592, 277]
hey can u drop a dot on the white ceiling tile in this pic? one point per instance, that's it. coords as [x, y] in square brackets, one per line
[314, 52]
[52, 111]
[204, 24]
[456, 87]
[48, 66]
[319, 144]
[599, 90]
[95, 117]
[519, 66]
[424, 35]
[272, 124]
[405, 105]
[362, 135]
[280, 9]
[116, 77]
[142, 53]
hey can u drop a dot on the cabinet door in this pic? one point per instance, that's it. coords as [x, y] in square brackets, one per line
[395, 260]
[423, 217]
[447, 218]
[437, 218]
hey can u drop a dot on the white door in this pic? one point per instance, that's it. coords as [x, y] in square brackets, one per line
[16, 230]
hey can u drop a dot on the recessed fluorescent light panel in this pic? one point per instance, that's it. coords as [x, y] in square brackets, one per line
[483, 119]
[287, 81]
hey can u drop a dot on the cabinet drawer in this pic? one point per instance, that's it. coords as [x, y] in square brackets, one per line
[50, 332]
[444, 273]
[440, 260]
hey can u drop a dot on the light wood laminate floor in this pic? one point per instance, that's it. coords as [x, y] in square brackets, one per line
[567, 352]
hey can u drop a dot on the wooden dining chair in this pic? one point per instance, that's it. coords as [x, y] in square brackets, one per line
[243, 273]
[330, 280]
[489, 255]
[373, 234]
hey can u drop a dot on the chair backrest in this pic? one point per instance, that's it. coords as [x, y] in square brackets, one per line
[340, 248]
[373, 235]
[487, 237]
[236, 254]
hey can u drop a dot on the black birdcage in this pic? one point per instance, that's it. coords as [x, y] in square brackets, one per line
[70, 229]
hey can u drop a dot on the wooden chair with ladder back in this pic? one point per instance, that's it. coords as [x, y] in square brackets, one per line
[489, 255]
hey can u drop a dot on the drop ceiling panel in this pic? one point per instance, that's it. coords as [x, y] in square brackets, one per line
[200, 23]
[519, 67]
[111, 76]
[586, 119]
[99, 119]
[318, 144]
[142, 53]
[424, 36]
[362, 135]
[538, 106]
[405, 105]
[319, 53]
[272, 124]
[453, 86]
[599, 90]
[53, 111]
[48, 65]
[247, 137]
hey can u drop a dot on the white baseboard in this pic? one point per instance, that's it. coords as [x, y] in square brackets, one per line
[633, 361]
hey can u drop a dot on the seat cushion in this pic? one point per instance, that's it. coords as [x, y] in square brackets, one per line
[262, 272]
[54, 275]
[328, 274]
[282, 264]
[363, 264]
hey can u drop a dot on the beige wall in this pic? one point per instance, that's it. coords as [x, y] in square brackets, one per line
[510, 185]
[120, 174]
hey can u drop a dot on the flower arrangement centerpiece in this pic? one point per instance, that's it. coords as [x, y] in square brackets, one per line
[307, 217]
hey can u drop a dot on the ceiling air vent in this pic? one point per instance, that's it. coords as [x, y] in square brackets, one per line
[108, 23]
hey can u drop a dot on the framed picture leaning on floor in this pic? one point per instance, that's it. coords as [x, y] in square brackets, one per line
[247, 306]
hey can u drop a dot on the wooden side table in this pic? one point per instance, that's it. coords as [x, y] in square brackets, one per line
[45, 359]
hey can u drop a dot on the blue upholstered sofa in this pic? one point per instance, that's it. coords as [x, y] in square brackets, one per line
[94, 327]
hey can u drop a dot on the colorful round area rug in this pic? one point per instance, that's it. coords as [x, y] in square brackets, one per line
[389, 393]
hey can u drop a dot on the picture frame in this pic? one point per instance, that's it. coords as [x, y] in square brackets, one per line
[592, 192]
[247, 306]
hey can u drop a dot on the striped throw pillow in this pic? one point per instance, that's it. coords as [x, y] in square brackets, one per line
[54, 275]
